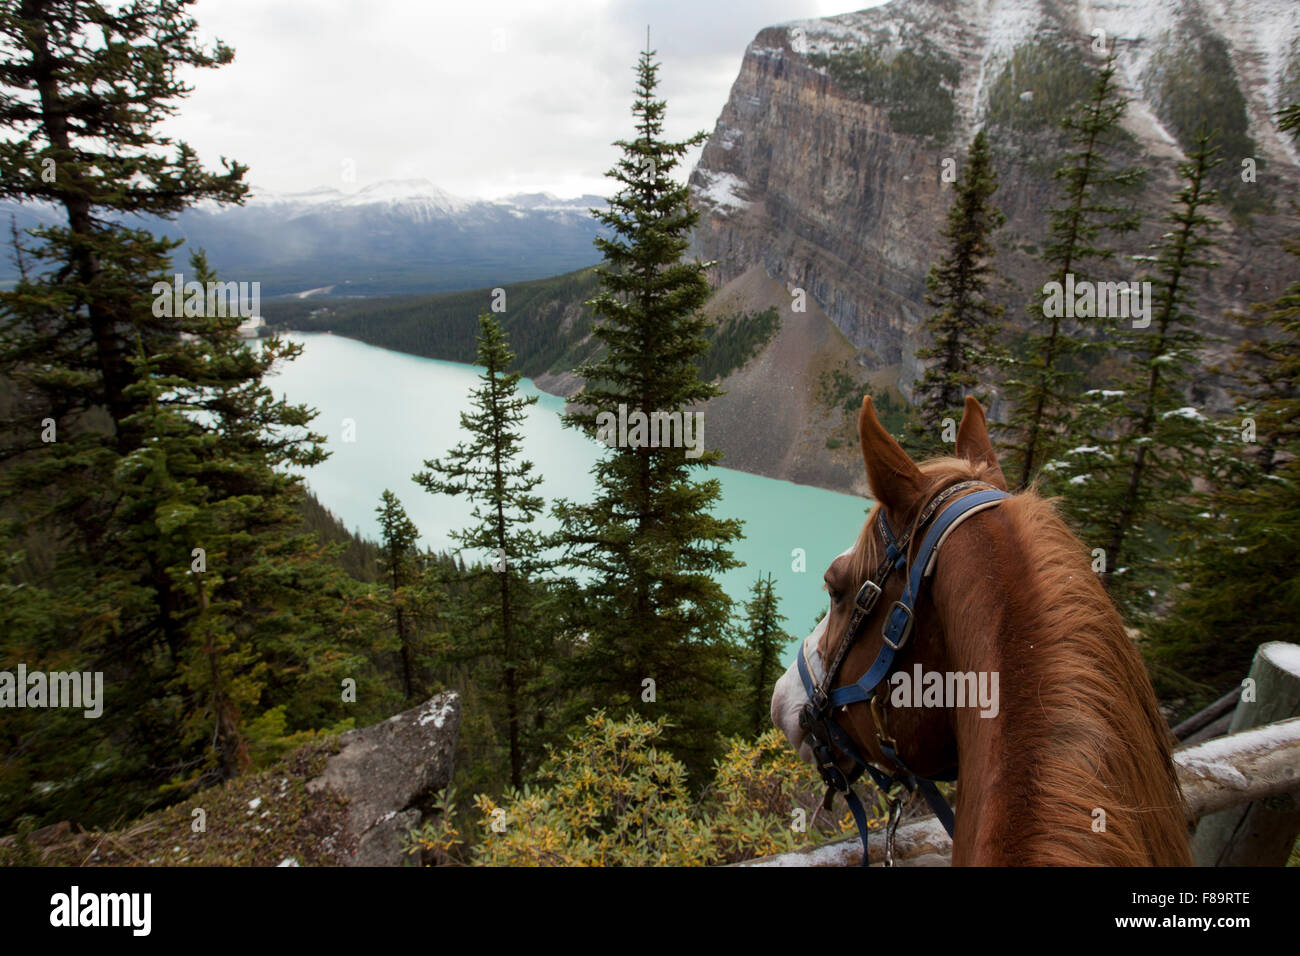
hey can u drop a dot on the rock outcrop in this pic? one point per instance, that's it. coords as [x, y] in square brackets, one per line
[346, 801]
[387, 772]
[770, 421]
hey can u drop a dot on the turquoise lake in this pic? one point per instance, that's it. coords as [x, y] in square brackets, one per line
[404, 409]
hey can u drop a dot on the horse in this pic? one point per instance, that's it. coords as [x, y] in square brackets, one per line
[1072, 764]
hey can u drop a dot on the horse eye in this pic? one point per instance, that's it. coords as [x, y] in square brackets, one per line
[834, 593]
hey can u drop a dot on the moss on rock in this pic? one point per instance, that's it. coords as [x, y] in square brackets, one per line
[1037, 86]
[914, 85]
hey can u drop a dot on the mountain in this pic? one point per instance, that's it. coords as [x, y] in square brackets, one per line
[404, 235]
[547, 321]
[825, 167]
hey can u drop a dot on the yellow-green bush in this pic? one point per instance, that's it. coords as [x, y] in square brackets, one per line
[765, 800]
[612, 798]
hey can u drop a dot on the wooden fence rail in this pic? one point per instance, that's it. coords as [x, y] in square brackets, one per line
[1252, 765]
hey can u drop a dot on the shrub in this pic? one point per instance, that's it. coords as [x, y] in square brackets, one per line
[613, 798]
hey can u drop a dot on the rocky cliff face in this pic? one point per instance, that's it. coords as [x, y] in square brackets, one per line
[826, 166]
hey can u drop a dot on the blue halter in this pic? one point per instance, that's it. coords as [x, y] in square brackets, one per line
[817, 719]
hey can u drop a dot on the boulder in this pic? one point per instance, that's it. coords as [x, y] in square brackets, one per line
[387, 772]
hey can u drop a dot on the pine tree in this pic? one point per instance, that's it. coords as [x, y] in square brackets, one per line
[488, 470]
[648, 547]
[1046, 379]
[963, 332]
[1240, 558]
[397, 552]
[68, 94]
[764, 638]
[141, 453]
[1133, 477]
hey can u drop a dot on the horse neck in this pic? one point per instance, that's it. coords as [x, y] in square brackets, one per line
[981, 749]
[1077, 729]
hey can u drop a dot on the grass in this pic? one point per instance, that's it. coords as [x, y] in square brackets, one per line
[258, 819]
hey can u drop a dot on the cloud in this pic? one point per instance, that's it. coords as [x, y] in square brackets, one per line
[484, 99]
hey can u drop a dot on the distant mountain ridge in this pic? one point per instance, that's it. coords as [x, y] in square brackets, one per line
[391, 236]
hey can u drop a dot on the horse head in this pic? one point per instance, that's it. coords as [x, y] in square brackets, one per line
[1028, 675]
[901, 488]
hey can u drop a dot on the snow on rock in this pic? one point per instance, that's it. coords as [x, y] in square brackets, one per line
[728, 136]
[415, 197]
[1284, 655]
[437, 711]
[321, 195]
[549, 202]
[825, 36]
[719, 189]
[418, 199]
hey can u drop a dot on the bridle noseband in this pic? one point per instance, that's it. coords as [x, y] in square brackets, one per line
[824, 735]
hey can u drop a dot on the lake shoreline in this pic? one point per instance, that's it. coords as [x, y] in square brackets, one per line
[385, 412]
[565, 384]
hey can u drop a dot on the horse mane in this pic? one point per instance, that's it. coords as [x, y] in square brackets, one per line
[1081, 726]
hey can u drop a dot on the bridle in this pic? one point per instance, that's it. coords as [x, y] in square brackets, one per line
[942, 514]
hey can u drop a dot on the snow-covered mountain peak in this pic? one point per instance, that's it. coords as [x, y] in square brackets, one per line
[415, 194]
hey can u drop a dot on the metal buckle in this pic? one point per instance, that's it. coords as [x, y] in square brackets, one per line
[907, 629]
[881, 733]
[831, 774]
[872, 598]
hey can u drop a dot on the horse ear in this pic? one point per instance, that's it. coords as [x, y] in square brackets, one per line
[974, 445]
[895, 480]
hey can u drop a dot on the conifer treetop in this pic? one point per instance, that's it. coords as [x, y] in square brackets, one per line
[86, 85]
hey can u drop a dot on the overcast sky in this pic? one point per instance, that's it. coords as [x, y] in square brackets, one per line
[482, 97]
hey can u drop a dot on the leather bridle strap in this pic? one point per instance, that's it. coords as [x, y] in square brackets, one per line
[898, 626]
[817, 718]
[895, 558]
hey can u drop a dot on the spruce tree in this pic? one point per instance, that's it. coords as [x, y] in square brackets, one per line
[648, 547]
[963, 332]
[141, 454]
[1142, 445]
[764, 638]
[397, 556]
[1044, 382]
[487, 468]
[1240, 558]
